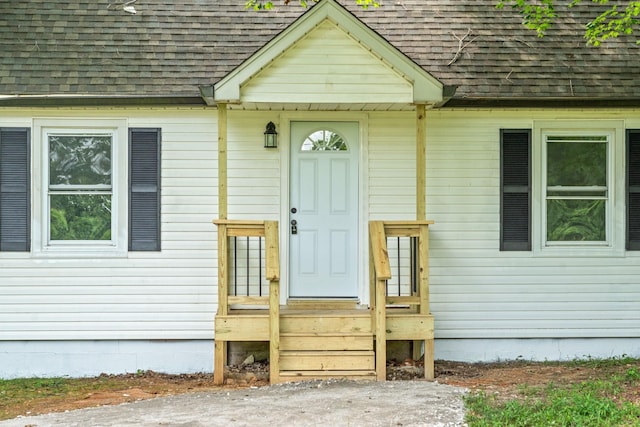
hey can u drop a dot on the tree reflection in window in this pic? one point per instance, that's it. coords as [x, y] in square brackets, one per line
[577, 188]
[324, 140]
[80, 187]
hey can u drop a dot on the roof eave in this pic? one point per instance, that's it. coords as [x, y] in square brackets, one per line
[63, 100]
[543, 102]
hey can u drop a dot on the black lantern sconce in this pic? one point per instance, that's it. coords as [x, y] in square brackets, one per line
[270, 136]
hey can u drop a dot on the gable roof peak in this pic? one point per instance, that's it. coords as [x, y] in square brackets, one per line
[426, 88]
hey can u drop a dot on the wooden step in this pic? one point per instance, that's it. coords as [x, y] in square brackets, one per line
[326, 341]
[409, 326]
[323, 304]
[310, 322]
[323, 375]
[326, 360]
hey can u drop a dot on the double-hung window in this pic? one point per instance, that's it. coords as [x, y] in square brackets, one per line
[80, 187]
[81, 201]
[579, 186]
[576, 185]
[563, 188]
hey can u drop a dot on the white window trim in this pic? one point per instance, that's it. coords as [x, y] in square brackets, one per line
[117, 247]
[615, 210]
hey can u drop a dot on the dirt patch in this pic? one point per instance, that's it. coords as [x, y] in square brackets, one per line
[505, 379]
[502, 379]
[129, 388]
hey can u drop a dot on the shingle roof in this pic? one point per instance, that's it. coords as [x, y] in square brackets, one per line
[170, 47]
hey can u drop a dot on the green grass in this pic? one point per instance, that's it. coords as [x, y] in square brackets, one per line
[13, 389]
[32, 396]
[592, 403]
[592, 362]
[19, 395]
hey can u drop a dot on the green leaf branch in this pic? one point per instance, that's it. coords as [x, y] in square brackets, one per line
[620, 18]
[615, 21]
[267, 5]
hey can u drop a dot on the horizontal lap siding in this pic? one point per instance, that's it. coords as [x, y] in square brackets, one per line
[148, 295]
[392, 166]
[328, 66]
[253, 171]
[478, 291]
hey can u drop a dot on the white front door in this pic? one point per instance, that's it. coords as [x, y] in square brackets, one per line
[323, 228]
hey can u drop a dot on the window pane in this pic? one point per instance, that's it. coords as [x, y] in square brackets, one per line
[576, 220]
[79, 160]
[324, 140]
[576, 163]
[80, 217]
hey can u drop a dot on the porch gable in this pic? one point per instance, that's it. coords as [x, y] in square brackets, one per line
[329, 56]
[328, 66]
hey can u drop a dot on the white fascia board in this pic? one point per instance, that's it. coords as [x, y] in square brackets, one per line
[426, 88]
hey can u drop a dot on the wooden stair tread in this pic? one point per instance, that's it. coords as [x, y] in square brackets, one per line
[356, 375]
[324, 313]
[327, 360]
[326, 334]
[408, 314]
[337, 373]
[326, 352]
[323, 304]
[326, 341]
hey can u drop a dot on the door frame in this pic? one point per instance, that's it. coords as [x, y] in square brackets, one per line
[284, 127]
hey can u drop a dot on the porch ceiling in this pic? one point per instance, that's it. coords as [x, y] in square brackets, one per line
[279, 106]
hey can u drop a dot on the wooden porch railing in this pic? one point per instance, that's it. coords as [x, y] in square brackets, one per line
[399, 315]
[416, 302]
[261, 229]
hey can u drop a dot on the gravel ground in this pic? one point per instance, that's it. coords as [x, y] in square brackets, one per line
[315, 403]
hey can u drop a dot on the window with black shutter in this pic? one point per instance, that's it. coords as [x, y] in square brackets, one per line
[15, 208]
[633, 189]
[515, 189]
[144, 189]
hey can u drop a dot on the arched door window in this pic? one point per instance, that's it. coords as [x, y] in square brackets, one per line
[324, 140]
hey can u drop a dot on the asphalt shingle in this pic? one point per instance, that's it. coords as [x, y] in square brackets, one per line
[170, 47]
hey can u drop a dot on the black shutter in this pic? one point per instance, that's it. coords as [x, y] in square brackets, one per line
[515, 189]
[15, 183]
[144, 189]
[633, 189]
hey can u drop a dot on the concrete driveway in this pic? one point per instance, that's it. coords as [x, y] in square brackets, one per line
[315, 403]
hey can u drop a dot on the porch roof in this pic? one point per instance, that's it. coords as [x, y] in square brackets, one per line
[170, 48]
[329, 21]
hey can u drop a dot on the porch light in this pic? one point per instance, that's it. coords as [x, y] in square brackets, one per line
[270, 136]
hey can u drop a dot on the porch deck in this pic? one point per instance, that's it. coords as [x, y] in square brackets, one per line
[326, 338]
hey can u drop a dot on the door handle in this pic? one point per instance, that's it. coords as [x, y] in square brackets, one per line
[294, 226]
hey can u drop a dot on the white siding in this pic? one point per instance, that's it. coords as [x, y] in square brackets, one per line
[253, 171]
[478, 291]
[328, 66]
[392, 166]
[147, 295]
